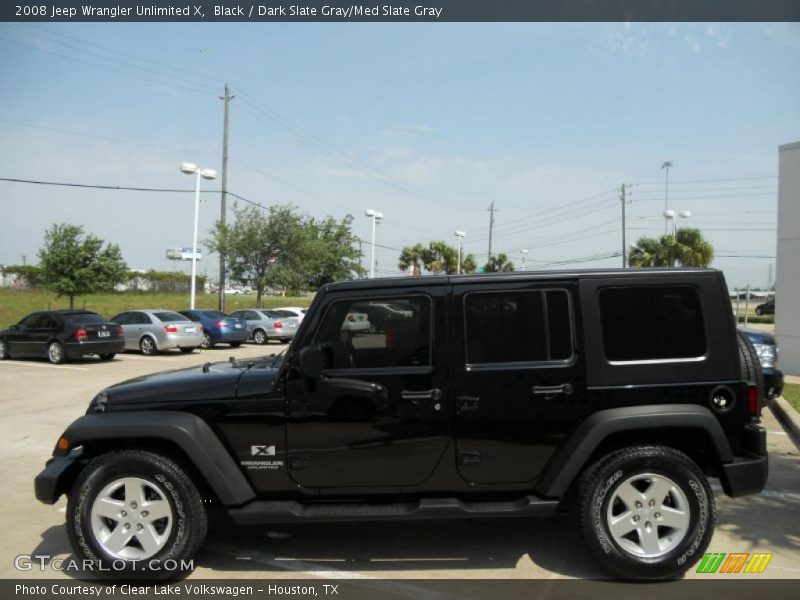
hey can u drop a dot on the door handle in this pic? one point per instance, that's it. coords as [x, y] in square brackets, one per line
[416, 396]
[551, 390]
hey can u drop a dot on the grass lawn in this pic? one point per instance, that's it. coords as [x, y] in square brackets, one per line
[791, 393]
[15, 304]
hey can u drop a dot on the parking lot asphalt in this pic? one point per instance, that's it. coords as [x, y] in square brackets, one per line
[38, 400]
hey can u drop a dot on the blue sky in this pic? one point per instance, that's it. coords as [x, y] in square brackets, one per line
[428, 123]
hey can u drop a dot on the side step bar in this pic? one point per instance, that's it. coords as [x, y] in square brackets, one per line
[282, 511]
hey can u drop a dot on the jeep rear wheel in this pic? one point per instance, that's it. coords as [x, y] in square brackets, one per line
[647, 512]
[136, 506]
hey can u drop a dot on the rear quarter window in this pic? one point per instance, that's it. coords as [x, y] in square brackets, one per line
[86, 317]
[652, 323]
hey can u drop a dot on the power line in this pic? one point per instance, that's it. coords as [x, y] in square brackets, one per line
[98, 187]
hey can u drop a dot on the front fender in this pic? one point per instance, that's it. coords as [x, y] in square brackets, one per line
[574, 454]
[189, 432]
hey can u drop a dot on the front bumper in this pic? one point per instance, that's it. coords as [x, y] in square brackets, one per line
[747, 474]
[78, 349]
[57, 477]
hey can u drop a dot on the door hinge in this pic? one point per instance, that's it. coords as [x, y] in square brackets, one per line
[468, 457]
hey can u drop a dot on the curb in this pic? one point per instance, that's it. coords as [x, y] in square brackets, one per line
[788, 417]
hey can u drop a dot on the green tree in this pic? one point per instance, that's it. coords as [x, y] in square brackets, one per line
[412, 258]
[498, 263]
[329, 253]
[686, 248]
[73, 263]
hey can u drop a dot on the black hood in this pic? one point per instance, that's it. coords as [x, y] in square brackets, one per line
[212, 382]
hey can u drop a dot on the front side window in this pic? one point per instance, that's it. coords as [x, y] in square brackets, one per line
[518, 327]
[652, 323]
[30, 320]
[364, 334]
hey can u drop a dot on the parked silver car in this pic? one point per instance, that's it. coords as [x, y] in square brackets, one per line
[266, 325]
[151, 331]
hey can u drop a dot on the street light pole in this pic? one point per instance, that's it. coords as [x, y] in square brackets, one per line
[460, 235]
[193, 169]
[375, 216]
[524, 253]
[667, 164]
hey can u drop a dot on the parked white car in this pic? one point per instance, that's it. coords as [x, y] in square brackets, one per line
[292, 311]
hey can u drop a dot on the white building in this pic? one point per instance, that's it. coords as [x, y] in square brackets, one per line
[787, 284]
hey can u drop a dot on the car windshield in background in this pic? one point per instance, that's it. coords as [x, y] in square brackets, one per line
[168, 317]
[87, 317]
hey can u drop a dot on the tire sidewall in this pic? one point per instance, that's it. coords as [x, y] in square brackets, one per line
[701, 524]
[84, 494]
[142, 344]
[260, 333]
[61, 355]
[3, 349]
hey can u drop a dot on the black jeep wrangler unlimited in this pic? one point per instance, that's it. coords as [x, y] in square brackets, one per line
[615, 394]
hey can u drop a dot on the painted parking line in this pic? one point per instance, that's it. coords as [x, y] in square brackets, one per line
[33, 364]
[147, 358]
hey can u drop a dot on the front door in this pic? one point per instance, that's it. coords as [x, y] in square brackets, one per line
[376, 417]
[519, 387]
[20, 340]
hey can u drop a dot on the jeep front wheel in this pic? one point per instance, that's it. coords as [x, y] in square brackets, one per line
[136, 513]
[647, 512]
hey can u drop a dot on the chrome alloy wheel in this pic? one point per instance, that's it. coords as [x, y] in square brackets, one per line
[648, 515]
[55, 352]
[3, 349]
[131, 518]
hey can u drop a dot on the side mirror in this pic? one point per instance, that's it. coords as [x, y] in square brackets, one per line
[310, 361]
[14, 328]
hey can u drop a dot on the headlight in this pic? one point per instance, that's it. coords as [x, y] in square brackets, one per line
[767, 354]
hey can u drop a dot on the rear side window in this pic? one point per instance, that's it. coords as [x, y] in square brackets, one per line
[215, 314]
[518, 327]
[652, 323]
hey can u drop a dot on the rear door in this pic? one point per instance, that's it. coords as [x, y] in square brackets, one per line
[519, 383]
[42, 332]
[376, 417]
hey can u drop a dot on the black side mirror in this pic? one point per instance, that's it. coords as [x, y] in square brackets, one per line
[310, 361]
[14, 328]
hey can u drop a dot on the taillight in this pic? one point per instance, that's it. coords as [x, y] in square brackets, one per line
[221, 324]
[171, 328]
[201, 328]
[119, 330]
[277, 325]
[81, 334]
[753, 401]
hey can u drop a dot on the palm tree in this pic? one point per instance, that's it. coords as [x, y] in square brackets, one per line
[413, 258]
[441, 258]
[468, 264]
[687, 248]
[692, 250]
[498, 263]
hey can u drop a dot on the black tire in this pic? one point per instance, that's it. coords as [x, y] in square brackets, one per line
[189, 525]
[109, 356]
[750, 364]
[599, 486]
[4, 350]
[235, 344]
[55, 353]
[187, 350]
[208, 341]
[147, 346]
[260, 337]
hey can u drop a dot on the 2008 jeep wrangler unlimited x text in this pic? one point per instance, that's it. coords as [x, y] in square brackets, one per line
[611, 394]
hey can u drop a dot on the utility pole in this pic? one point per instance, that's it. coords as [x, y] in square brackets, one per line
[224, 203]
[667, 164]
[491, 227]
[624, 244]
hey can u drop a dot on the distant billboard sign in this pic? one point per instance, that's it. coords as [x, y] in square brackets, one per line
[182, 254]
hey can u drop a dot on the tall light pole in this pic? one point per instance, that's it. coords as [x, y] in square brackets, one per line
[673, 216]
[667, 165]
[192, 169]
[524, 253]
[375, 216]
[460, 235]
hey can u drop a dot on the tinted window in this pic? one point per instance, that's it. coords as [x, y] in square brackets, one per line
[283, 313]
[190, 315]
[139, 318]
[518, 327]
[30, 320]
[215, 314]
[376, 340]
[652, 323]
[168, 317]
[85, 317]
[47, 322]
[122, 319]
[273, 314]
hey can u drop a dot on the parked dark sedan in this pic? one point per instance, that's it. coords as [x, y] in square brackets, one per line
[61, 334]
[767, 350]
[219, 327]
[767, 308]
